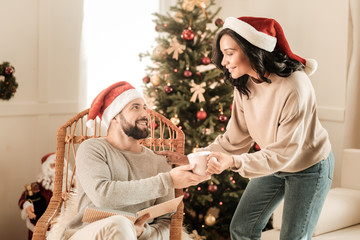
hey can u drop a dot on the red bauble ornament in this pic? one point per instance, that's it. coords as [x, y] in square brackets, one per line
[212, 188]
[9, 70]
[175, 70]
[154, 125]
[187, 73]
[201, 115]
[188, 34]
[219, 22]
[146, 79]
[222, 129]
[168, 89]
[231, 106]
[206, 60]
[186, 195]
[257, 147]
[223, 118]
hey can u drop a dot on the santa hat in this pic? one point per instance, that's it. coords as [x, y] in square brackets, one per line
[267, 34]
[110, 102]
[49, 156]
[46, 162]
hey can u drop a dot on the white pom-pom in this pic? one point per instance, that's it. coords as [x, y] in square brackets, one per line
[311, 66]
[90, 123]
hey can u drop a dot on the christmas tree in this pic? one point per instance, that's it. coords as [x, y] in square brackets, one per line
[184, 86]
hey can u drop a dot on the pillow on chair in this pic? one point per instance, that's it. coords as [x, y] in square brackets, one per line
[64, 218]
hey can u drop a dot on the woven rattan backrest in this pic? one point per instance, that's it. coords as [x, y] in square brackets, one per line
[164, 135]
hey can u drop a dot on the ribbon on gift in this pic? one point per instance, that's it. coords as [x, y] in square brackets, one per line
[197, 90]
[176, 47]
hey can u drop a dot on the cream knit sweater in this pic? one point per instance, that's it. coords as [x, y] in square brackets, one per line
[110, 178]
[282, 118]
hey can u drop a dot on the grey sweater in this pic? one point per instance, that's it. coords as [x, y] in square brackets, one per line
[111, 178]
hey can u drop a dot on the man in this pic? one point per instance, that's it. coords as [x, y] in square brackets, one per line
[116, 172]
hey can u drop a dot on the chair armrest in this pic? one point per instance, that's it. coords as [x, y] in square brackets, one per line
[176, 227]
[42, 225]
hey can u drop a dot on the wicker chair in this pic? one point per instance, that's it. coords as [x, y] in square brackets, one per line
[164, 135]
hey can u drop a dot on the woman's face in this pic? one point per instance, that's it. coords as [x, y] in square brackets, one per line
[234, 58]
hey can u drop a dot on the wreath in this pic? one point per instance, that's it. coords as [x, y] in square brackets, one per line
[8, 84]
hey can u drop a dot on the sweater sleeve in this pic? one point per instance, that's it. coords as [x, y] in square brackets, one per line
[290, 141]
[160, 227]
[236, 139]
[94, 175]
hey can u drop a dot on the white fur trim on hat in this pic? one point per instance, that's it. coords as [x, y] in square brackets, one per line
[311, 66]
[90, 123]
[117, 105]
[255, 37]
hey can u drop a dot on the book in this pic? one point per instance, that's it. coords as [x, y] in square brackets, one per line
[93, 214]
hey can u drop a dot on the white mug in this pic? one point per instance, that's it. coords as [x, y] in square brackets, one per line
[199, 158]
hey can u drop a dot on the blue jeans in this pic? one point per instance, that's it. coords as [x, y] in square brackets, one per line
[303, 192]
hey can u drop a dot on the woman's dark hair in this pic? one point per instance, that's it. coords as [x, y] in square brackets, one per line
[260, 60]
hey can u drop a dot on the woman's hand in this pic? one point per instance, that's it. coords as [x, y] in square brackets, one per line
[139, 224]
[218, 162]
[175, 158]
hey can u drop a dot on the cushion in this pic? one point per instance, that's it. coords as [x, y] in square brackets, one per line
[341, 209]
[350, 177]
[66, 215]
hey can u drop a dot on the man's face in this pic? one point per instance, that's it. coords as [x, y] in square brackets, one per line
[134, 119]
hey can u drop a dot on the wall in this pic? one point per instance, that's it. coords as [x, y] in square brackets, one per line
[41, 39]
[312, 31]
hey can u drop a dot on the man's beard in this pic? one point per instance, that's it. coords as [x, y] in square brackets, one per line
[134, 131]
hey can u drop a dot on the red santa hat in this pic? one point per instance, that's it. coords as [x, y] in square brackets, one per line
[48, 157]
[110, 102]
[267, 34]
[48, 170]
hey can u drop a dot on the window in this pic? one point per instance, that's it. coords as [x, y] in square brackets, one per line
[114, 33]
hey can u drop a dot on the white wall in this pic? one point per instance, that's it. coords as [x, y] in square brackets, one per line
[314, 29]
[41, 39]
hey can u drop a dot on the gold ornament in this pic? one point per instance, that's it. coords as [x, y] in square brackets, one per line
[210, 220]
[175, 120]
[155, 80]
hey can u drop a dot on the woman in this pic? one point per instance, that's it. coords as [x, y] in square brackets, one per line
[275, 106]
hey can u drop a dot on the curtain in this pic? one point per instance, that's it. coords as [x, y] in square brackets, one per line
[352, 113]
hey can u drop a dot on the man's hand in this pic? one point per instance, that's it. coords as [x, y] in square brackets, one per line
[139, 224]
[183, 178]
[175, 158]
[218, 162]
[30, 212]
